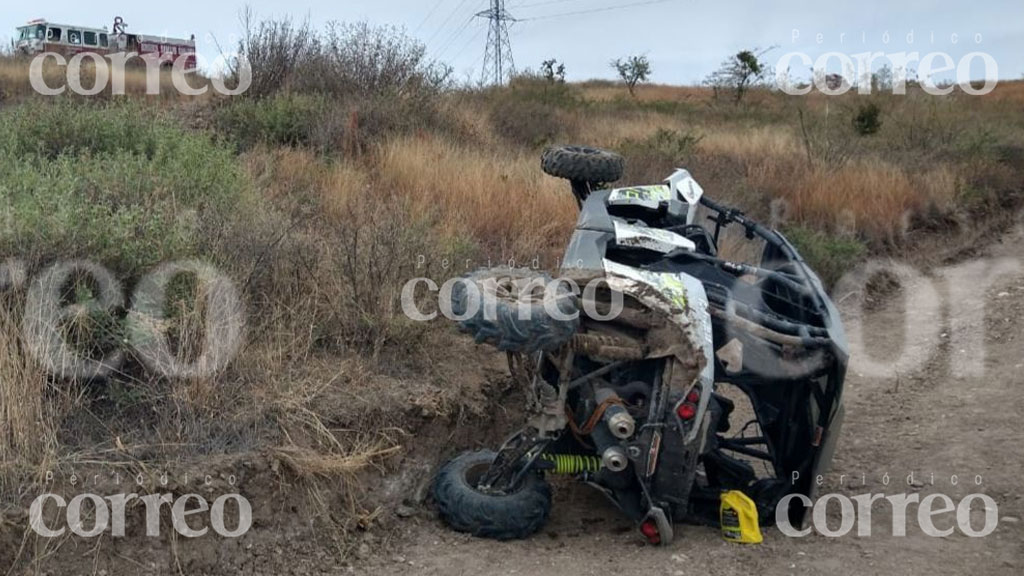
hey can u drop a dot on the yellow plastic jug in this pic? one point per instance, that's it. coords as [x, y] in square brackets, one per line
[739, 518]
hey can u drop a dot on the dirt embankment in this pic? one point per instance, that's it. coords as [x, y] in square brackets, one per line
[310, 515]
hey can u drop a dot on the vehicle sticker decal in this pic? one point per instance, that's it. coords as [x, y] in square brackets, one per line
[668, 286]
[651, 238]
[646, 196]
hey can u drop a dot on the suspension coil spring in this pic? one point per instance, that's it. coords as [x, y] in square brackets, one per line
[571, 464]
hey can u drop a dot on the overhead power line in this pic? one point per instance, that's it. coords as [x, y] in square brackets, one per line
[454, 37]
[595, 10]
[427, 17]
[446, 21]
[449, 38]
[470, 42]
[545, 3]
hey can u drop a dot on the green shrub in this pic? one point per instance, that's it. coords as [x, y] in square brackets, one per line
[114, 183]
[282, 119]
[51, 128]
[868, 119]
[532, 111]
[525, 122]
[326, 125]
[536, 88]
[829, 256]
[672, 145]
[652, 158]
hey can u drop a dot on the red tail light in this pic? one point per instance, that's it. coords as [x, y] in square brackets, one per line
[650, 530]
[686, 411]
[688, 408]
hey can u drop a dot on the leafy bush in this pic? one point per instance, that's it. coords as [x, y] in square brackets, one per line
[112, 183]
[524, 122]
[652, 158]
[344, 87]
[66, 127]
[282, 119]
[868, 119]
[318, 122]
[829, 256]
[673, 145]
[528, 86]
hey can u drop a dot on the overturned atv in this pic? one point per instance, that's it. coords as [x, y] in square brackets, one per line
[623, 378]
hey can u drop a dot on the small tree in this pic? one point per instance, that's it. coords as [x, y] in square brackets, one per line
[632, 70]
[868, 119]
[553, 71]
[738, 73]
[882, 81]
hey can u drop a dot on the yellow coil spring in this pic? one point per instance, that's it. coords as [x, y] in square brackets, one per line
[569, 464]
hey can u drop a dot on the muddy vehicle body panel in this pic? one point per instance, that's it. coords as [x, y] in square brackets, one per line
[803, 434]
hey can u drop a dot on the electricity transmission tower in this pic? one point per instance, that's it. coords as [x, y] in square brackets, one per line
[498, 64]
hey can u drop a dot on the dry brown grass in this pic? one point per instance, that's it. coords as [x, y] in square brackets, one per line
[1009, 91]
[605, 91]
[15, 81]
[500, 198]
[283, 173]
[869, 197]
[611, 132]
[22, 383]
[29, 421]
[832, 179]
[752, 145]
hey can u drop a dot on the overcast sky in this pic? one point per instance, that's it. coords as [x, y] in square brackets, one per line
[684, 39]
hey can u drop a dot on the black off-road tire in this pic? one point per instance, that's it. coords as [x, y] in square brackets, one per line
[498, 516]
[583, 164]
[503, 324]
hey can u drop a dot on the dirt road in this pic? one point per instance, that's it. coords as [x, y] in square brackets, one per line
[928, 423]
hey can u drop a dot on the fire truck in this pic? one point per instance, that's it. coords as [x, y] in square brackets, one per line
[44, 36]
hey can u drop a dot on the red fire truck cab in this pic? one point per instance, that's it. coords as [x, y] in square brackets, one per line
[43, 36]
